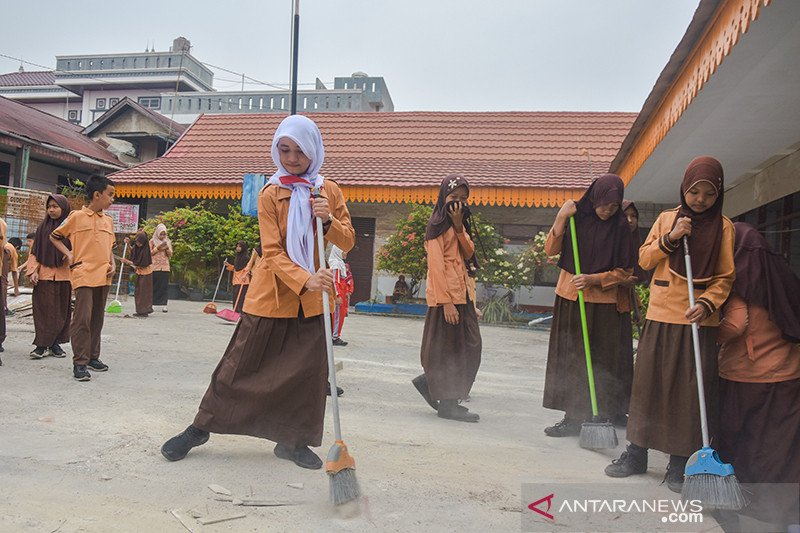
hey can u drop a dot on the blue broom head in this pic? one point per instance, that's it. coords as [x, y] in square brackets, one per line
[707, 461]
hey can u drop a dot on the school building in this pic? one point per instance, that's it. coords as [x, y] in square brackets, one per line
[731, 90]
[521, 167]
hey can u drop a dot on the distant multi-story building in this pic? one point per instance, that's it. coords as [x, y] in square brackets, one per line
[174, 83]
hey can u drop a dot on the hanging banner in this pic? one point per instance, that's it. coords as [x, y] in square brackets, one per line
[126, 217]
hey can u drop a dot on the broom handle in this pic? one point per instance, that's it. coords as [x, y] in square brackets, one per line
[326, 314]
[221, 272]
[698, 363]
[584, 326]
[121, 269]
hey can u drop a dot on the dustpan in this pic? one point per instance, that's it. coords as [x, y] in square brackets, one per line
[115, 307]
[230, 314]
[211, 307]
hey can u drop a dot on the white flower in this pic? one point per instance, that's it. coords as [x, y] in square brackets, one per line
[500, 251]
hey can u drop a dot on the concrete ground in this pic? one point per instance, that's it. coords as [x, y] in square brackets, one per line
[85, 456]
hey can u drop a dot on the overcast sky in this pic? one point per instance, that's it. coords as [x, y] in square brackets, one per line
[439, 55]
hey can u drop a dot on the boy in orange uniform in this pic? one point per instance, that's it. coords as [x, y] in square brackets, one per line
[91, 261]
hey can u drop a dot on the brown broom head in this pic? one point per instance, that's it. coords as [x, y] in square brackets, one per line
[210, 308]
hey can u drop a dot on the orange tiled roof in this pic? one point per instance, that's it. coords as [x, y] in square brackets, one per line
[504, 150]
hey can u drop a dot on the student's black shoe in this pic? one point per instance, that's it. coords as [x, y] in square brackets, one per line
[568, 427]
[452, 411]
[421, 384]
[1, 362]
[632, 461]
[38, 352]
[1, 347]
[98, 365]
[301, 456]
[674, 475]
[339, 342]
[178, 446]
[80, 373]
[57, 351]
[339, 390]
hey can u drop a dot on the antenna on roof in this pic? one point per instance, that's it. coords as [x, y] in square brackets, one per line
[585, 151]
[21, 68]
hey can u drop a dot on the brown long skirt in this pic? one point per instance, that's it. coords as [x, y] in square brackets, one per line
[160, 287]
[451, 354]
[52, 312]
[239, 296]
[270, 382]
[144, 294]
[566, 385]
[759, 435]
[664, 413]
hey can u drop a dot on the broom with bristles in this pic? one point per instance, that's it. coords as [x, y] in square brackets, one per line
[706, 477]
[339, 464]
[599, 434]
[115, 307]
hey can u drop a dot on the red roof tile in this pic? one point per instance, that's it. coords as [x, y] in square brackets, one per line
[20, 119]
[28, 79]
[524, 149]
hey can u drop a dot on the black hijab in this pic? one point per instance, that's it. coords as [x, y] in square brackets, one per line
[764, 278]
[603, 245]
[140, 255]
[641, 274]
[440, 220]
[242, 257]
[43, 249]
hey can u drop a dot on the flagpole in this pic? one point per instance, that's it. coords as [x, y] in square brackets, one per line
[295, 46]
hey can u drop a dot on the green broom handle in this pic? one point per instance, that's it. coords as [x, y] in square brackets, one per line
[584, 326]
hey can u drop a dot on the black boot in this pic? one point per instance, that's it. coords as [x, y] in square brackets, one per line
[451, 410]
[301, 456]
[339, 390]
[421, 384]
[568, 427]
[632, 461]
[178, 446]
[674, 475]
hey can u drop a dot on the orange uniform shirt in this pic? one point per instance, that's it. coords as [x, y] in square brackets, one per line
[447, 281]
[753, 349]
[277, 289]
[46, 273]
[669, 293]
[92, 237]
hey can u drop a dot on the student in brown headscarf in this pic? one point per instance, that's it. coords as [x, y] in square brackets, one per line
[271, 380]
[142, 260]
[759, 363]
[664, 408]
[48, 271]
[451, 339]
[606, 261]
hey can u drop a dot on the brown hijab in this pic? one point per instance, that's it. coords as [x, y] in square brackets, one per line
[140, 255]
[603, 245]
[242, 257]
[706, 237]
[764, 278]
[43, 249]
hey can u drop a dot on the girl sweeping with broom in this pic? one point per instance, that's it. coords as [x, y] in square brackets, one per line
[606, 262]
[242, 267]
[664, 409]
[142, 261]
[271, 380]
[451, 339]
[48, 271]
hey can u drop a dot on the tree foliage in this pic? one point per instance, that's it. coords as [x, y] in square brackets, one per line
[202, 240]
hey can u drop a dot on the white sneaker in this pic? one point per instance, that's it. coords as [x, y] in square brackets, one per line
[164, 310]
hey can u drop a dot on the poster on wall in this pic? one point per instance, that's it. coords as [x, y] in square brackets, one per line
[126, 217]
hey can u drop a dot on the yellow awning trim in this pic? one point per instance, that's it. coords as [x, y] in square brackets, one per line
[500, 196]
[731, 21]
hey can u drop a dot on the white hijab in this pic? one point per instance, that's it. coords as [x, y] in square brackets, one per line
[336, 261]
[300, 227]
[158, 242]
